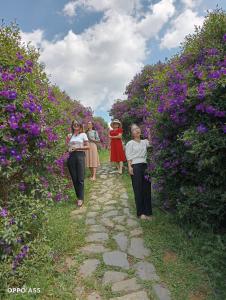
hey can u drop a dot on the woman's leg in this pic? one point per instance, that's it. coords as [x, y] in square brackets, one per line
[91, 172]
[80, 167]
[147, 207]
[120, 167]
[137, 181]
[71, 164]
[94, 173]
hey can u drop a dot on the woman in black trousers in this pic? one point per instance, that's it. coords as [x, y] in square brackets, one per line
[77, 143]
[136, 154]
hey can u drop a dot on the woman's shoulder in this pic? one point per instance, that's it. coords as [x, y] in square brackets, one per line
[130, 143]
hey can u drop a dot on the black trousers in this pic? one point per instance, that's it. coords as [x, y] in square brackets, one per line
[76, 167]
[142, 190]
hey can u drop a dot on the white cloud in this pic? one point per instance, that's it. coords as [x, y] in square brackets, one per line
[154, 20]
[122, 6]
[70, 9]
[181, 26]
[34, 37]
[96, 65]
[191, 3]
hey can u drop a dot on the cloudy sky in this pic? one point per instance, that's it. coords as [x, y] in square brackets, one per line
[93, 48]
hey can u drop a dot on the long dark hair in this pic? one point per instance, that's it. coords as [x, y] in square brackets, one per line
[81, 129]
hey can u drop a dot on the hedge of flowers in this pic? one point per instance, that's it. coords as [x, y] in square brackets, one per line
[35, 118]
[182, 102]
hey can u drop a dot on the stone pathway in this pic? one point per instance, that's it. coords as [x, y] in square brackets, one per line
[114, 244]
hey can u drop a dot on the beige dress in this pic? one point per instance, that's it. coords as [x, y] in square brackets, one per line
[92, 157]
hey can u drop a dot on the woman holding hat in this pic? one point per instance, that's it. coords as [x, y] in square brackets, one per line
[117, 152]
[77, 143]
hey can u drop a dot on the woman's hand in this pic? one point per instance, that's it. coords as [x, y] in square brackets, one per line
[130, 168]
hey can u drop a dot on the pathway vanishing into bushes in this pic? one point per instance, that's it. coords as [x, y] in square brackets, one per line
[116, 257]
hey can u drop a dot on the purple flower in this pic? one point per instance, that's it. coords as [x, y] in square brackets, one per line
[212, 51]
[200, 107]
[22, 186]
[19, 56]
[34, 216]
[10, 107]
[29, 63]
[18, 69]
[58, 197]
[3, 212]
[224, 128]
[214, 75]
[224, 37]
[201, 128]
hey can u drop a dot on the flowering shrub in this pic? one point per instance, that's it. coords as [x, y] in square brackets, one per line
[34, 120]
[182, 104]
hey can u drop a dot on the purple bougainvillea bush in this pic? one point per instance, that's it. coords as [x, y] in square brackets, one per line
[182, 103]
[35, 118]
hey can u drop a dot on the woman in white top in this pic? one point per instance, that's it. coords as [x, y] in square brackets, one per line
[136, 154]
[77, 143]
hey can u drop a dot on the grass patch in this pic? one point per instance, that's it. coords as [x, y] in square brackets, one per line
[104, 155]
[183, 262]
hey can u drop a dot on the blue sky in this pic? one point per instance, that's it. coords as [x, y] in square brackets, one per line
[93, 48]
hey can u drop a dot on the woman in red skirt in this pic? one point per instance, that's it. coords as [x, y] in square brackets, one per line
[117, 152]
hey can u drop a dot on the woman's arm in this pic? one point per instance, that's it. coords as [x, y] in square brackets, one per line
[86, 146]
[130, 168]
[119, 136]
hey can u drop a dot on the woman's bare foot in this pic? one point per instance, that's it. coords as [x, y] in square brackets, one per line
[142, 217]
[79, 203]
[92, 178]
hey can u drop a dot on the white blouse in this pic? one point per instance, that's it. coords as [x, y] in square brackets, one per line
[137, 151]
[77, 141]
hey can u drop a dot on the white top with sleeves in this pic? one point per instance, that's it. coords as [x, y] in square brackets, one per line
[77, 141]
[137, 151]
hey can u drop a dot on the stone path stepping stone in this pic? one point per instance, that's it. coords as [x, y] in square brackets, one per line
[142, 295]
[146, 271]
[126, 211]
[90, 222]
[161, 292]
[113, 276]
[120, 227]
[136, 232]
[97, 237]
[94, 296]
[128, 285]
[111, 202]
[107, 208]
[132, 223]
[137, 248]
[111, 213]
[107, 223]
[92, 214]
[125, 195]
[88, 267]
[97, 228]
[121, 240]
[116, 259]
[119, 219]
[94, 249]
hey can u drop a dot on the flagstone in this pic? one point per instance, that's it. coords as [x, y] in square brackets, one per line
[137, 248]
[113, 276]
[116, 258]
[88, 267]
[97, 237]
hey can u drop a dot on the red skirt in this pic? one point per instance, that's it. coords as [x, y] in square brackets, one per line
[117, 151]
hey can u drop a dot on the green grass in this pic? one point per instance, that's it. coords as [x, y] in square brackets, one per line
[182, 262]
[104, 155]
